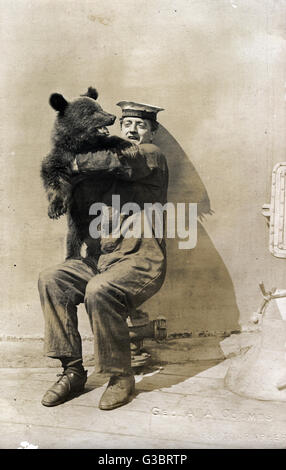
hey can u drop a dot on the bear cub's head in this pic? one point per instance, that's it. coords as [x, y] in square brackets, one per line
[80, 122]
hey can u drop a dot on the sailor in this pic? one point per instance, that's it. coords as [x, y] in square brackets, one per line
[126, 271]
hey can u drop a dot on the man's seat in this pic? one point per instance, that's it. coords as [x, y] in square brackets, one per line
[140, 327]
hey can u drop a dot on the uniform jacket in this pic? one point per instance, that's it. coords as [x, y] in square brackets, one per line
[140, 178]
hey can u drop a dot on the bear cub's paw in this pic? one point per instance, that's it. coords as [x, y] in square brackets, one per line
[58, 205]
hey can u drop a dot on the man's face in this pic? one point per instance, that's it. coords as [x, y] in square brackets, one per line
[136, 130]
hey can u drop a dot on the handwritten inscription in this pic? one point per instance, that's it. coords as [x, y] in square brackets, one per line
[208, 413]
[245, 437]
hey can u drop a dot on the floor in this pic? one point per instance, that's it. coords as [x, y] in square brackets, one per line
[177, 405]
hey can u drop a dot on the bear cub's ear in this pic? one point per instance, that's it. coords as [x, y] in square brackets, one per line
[58, 102]
[91, 93]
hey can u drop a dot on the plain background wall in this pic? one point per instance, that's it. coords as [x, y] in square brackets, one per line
[218, 68]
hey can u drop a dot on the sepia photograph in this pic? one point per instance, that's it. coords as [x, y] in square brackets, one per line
[143, 227]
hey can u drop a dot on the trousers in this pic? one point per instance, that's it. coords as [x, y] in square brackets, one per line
[108, 297]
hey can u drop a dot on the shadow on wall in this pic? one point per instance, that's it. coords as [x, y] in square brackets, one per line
[198, 294]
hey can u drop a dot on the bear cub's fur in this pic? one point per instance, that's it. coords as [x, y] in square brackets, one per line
[80, 128]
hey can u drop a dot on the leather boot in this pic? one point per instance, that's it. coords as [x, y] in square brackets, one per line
[119, 391]
[69, 383]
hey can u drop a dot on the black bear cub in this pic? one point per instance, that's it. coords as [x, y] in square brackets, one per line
[80, 128]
